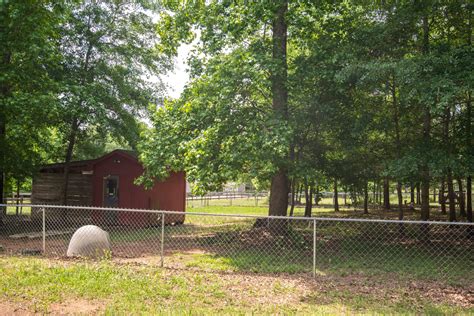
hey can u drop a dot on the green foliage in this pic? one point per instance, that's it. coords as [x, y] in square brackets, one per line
[76, 76]
[109, 57]
[222, 127]
[29, 54]
[360, 80]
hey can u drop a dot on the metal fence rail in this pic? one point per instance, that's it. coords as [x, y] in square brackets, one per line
[252, 243]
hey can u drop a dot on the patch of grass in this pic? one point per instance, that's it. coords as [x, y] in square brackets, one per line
[39, 283]
[342, 248]
[246, 261]
[398, 302]
[26, 210]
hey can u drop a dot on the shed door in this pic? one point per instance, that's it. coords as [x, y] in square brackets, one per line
[111, 197]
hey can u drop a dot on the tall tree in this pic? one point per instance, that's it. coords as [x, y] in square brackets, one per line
[28, 56]
[279, 184]
[233, 117]
[109, 52]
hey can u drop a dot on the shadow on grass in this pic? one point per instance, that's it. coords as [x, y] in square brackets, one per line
[359, 249]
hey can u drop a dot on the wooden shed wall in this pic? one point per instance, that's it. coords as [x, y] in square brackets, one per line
[47, 188]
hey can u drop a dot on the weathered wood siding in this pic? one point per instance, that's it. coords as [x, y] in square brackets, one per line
[47, 188]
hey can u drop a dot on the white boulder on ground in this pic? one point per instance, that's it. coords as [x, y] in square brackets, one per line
[89, 241]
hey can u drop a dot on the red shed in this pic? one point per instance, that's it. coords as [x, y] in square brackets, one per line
[108, 181]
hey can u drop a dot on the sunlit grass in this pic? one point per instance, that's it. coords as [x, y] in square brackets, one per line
[38, 285]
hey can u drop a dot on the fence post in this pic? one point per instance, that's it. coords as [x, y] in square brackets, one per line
[314, 248]
[162, 237]
[44, 229]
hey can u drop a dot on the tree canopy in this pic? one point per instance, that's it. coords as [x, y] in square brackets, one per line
[294, 95]
[365, 93]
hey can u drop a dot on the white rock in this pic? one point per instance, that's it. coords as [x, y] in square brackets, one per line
[89, 241]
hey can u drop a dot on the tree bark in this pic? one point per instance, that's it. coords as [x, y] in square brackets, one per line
[418, 194]
[442, 199]
[412, 193]
[68, 158]
[401, 226]
[293, 192]
[316, 197]
[345, 196]
[374, 197]
[398, 145]
[469, 139]
[425, 195]
[336, 197]
[366, 198]
[425, 171]
[386, 194]
[449, 173]
[400, 200]
[300, 193]
[461, 198]
[279, 185]
[376, 193]
[469, 145]
[469, 198]
[5, 92]
[309, 201]
[451, 196]
[17, 209]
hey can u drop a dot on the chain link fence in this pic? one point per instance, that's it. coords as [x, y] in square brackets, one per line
[438, 250]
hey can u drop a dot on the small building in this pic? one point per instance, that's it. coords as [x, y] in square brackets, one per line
[109, 181]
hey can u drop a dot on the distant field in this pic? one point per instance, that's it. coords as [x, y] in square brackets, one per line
[13, 209]
[325, 208]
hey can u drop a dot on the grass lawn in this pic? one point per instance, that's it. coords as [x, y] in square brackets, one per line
[223, 265]
[12, 210]
[42, 285]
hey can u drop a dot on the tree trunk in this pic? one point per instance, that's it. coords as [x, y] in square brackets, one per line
[442, 199]
[279, 185]
[336, 197]
[449, 173]
[293, 192]
[425, 171]
[461, 199]
[279, 194]
[412, 193]
[386, 194]
[309, 201]
[5, 92]
[425, 195]
[401, 226]
[366, 198]
[67, 162]
[451, 197]
[418, 194]
[469, 198]
[345, 196]
[400, 200]
[17, 210]
[376, 193]
[469, 136]
[398, 144]
[316, 197]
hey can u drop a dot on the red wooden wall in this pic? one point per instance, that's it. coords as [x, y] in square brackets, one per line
[168, 195]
